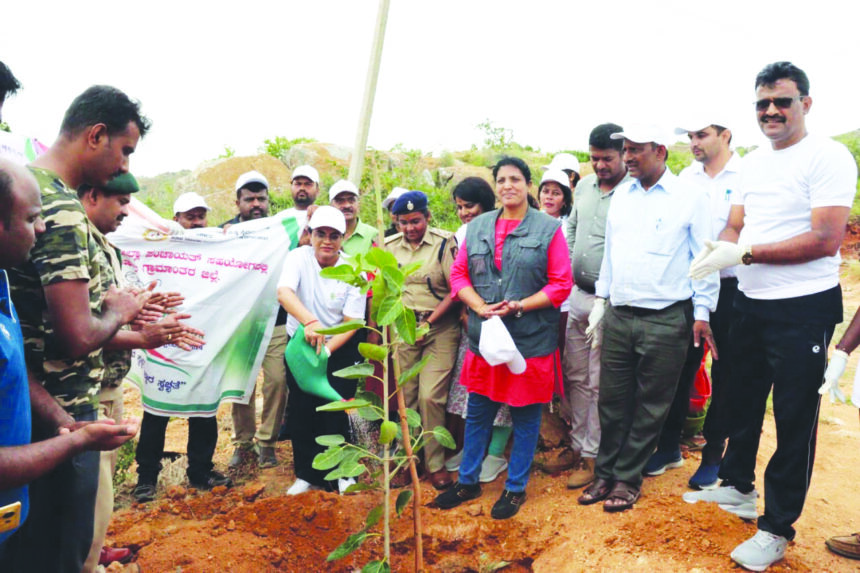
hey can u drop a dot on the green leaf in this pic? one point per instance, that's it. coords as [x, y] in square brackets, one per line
[343, 273]
[361, 486]
[370, 397]
[380, 258]
[374, 516]
[352, 543]
[405, 324]
[402, 500]
[444, 437]
[411, 268]
[334, 474]
[380, 291]
[370, 413]
[341, 406]
[327, 459]
[343, 327]
[372, 351]
[376, 567]
[413, 419]
[362, 370]
[413, 370]
[389, 310]
[330, 440]
[353, 470]
[387, 432]
[394, 276]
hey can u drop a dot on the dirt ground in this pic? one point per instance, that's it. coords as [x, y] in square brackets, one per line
[255, 528]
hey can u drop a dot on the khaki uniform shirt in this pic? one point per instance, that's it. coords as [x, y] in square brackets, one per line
[426, 287]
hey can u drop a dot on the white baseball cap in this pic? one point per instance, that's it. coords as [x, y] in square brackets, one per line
[700, 124]
[342, 186]
[556, 175]
[328, 216]
[251, 177]
[393, 196]
[563, 161]
[306, 171]
[644, 134]
[188, 201]
[497, 346]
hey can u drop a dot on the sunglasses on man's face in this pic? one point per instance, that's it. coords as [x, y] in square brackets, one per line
[779, 102]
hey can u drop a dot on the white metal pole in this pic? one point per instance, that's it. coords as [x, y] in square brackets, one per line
[356, 166]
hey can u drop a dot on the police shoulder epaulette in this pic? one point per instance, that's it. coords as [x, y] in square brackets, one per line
[393, 237]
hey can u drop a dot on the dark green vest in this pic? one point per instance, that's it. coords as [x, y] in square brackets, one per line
[524, 272]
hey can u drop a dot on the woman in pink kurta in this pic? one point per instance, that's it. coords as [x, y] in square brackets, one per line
[490, 386]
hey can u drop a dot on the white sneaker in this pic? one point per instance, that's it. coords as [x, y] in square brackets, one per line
[491, 467]
[300, 486]
[746, 511]
[452, 464]
[725, 495]
[342, 484]
[760, 551]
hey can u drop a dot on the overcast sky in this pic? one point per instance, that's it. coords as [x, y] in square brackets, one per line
[212, 75]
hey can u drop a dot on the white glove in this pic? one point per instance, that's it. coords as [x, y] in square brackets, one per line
[835, 369]
[595, 317]
[716, 255]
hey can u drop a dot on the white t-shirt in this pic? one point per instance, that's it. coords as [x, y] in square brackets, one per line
[329, 300]
[301, 217]
[720, 190]
[778, 190]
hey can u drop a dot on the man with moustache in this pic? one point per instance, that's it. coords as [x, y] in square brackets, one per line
[252, 198]
[655, 226]
[304, 188]
[359, 237]
[69, 310]
[191, 211]
[784, 231]
[586, 230]
[717, 171]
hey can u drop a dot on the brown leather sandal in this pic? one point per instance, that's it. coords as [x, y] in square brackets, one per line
[622, 497]
[597, 491]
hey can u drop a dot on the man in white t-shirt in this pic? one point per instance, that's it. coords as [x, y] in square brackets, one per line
[786, 226]
[304, 188]
[717, 171]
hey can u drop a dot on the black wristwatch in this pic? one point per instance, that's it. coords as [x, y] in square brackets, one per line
[747, 257]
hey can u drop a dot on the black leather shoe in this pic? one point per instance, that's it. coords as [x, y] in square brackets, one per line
[210, 480]
[508, 505]
[456, 495]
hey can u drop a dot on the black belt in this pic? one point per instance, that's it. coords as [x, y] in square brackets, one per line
[640, 311]
[586, 288]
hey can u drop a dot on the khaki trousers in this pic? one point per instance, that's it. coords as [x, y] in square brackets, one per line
[428, 392]
[110, 407]
[274, 397]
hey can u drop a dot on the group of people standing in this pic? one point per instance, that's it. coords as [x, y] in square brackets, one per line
[605, 290]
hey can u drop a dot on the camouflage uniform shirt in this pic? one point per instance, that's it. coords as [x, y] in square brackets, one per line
[68, 250]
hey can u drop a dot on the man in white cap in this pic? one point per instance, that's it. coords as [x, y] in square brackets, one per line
[190, 210]
[304, 187]
[717, 171]
[359, 237]
[568, 163]
[655, 227]
[252, 198]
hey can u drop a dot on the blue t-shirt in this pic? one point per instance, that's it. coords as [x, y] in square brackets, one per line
[14, 393]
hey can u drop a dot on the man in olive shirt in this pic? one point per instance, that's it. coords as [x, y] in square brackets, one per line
[359, 237]
[585, 234]
[428, 294]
